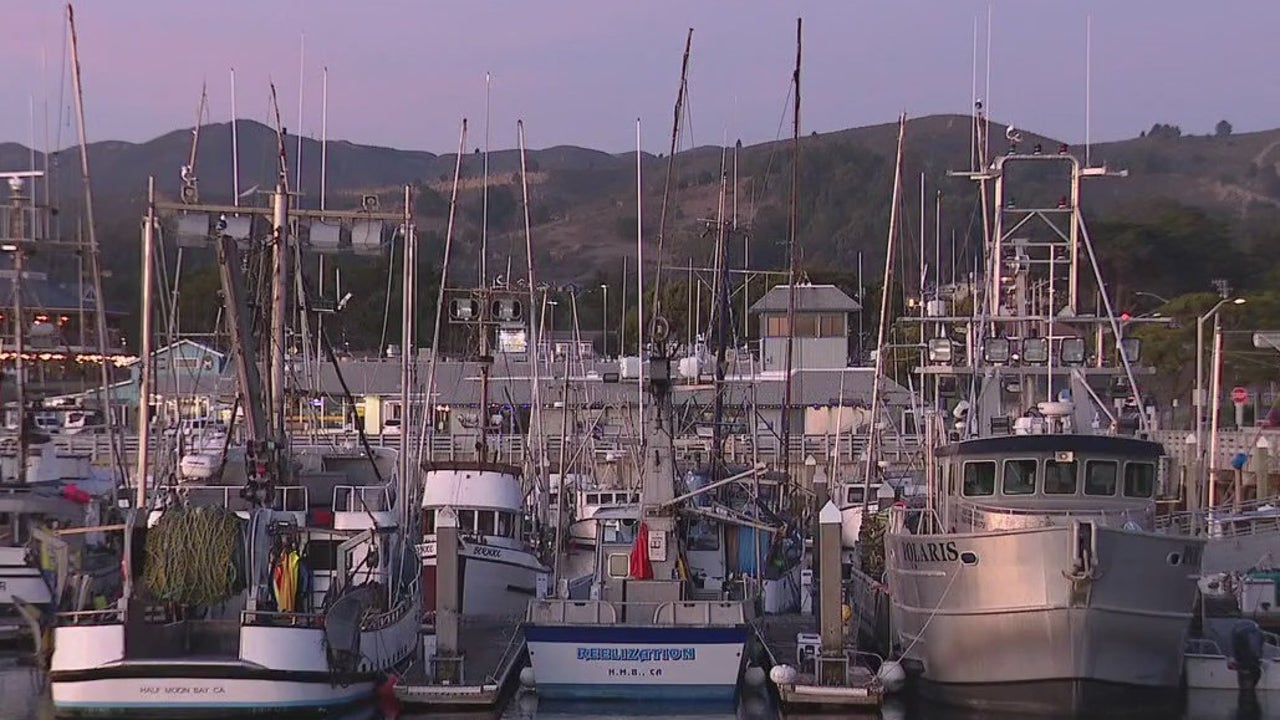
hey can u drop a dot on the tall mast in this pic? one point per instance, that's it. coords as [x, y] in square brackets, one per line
[721, 326]
[302, 81]
[640, 281]
[681, 93]
[408, 352]
[324, 140]
[16, 245]
[886, 296]
[148, 343]
[792, 242]
[95, 254]
[279, 289]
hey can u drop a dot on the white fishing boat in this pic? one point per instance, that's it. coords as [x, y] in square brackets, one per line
[1232, 654]
[649, 626]
[498, 568]
[286, 583]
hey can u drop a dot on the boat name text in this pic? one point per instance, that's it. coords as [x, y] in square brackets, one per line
[181, 690]
[481, 551]
[608, 654]
[930, 552]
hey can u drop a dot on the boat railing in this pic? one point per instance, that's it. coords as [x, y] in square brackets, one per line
[510, 655]
[105, 616]
[681, 613]
[982, 517]
[1203, 646]
[288, 498]
[361, 498]
[1252, 517]
[274, 618]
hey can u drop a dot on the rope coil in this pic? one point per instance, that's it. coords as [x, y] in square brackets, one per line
[192, 556]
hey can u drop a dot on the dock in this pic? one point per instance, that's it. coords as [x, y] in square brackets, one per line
[852, 687]
[491, 654]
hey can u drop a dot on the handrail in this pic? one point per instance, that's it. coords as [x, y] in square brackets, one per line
[509, 656]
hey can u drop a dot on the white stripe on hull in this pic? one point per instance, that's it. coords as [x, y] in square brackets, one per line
[179, 695]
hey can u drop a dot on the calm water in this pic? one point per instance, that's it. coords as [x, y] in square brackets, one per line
[21, 698]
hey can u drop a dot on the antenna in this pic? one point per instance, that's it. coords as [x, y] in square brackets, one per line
[1088, 90]
[235, 145]
[484, 212]
[986, 136]
[973, 102]
[302, 68]
[324, 135]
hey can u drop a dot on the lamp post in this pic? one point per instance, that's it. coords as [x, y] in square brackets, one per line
[1199, 399]
[604, 322]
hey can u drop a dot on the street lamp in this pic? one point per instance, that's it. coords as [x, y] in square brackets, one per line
[1216, 382]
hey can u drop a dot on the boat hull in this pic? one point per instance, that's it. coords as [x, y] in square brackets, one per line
[496, 582]
[1003, 620]
[610, 663]
[279, 669]
[189, 691]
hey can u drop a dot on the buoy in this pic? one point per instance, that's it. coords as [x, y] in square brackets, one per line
[783, 675]
[754, 676]
[893, 709]
[526, 705]
[846, 613]
[892, 676]
[526, 676]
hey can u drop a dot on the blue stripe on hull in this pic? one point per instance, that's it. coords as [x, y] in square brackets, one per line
[655, 691]
[635, 634]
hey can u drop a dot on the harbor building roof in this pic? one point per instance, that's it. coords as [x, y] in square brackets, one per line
[809, 298]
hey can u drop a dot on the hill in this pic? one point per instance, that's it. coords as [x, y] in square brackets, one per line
[582, 201]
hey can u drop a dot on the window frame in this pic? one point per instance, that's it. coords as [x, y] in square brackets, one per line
[1035, 477]
[964, 478]
[1115, 476]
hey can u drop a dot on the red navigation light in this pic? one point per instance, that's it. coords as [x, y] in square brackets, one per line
[1062, 149]
[1126, 317]
[1062, 202]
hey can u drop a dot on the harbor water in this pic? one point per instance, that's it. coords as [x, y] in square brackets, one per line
[22, 698]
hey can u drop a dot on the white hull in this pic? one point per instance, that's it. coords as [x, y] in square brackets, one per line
[194, 695]
[23, 582]
[495, 581]
[587, 662]
[278, 668]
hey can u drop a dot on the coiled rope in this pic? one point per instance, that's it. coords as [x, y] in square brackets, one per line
[191, 555]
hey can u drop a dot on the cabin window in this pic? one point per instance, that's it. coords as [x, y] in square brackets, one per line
[466, 521]
[853, 495]
[486, 522]
[1100, 477]
[506, 528]
[1139, 480]
[979, 478]
[619, 565]
[1019, 477]
[1060, 478]
[593, 499]
[429, 521]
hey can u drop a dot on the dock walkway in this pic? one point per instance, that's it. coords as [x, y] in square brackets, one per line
[491, 650]
[857, 688]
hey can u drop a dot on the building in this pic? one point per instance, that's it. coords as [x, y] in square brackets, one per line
[821, 332]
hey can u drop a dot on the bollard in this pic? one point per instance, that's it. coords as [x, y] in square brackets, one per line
[447, 597]
[830, 619]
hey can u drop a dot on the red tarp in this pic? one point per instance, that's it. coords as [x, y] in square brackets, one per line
[640, 567]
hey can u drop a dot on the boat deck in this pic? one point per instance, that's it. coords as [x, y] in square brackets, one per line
[492, 650]
[860, 689]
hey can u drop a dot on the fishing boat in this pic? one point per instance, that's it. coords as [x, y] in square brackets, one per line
[284, 583]
[1034, 580]
[638, 626]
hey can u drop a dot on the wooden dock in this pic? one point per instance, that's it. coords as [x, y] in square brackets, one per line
[492, 651]
[848, 683]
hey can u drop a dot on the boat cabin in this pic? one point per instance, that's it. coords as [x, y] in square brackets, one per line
[1021, 481]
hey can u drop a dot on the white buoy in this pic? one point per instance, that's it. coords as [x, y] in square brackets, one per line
[526, 676]
[892, 676]
[893, 709]
[753, 676]
[783, 675]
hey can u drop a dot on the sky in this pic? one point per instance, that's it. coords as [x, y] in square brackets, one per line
[403, 73]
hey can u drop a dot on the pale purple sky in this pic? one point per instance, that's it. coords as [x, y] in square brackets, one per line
[403, 72]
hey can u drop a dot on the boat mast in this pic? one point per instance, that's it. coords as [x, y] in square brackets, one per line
[279, 285]
[95, 253]
[16, 245]
[681, 94]
[408, 355]
[721, 327]
[886, 296]
[792, 252]
[148, 343]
